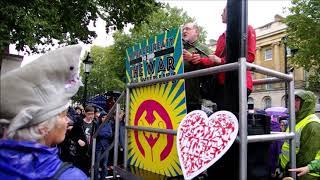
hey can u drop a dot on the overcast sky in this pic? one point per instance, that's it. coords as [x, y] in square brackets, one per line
[208, 15]
[208, 12]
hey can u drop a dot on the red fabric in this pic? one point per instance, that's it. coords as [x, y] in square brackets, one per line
[221, 43]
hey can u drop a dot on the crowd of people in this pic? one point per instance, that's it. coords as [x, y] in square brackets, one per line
[77, 146]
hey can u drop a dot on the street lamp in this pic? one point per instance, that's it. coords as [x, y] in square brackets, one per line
[293, 51]
[88, 62]
[285, 41]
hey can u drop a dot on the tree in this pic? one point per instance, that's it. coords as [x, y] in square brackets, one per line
[304, 34]
[162, 20]
[104, 75]
[109, 63]
[36, 23]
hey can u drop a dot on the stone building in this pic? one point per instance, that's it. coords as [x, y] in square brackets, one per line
[270, 53]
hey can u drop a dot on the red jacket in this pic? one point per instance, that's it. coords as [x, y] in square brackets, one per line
[221, 43]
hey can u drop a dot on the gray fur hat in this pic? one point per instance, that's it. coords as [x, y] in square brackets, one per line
[41, 89]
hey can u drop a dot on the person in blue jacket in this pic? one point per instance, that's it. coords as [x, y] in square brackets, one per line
[34, 102]
[104, 140]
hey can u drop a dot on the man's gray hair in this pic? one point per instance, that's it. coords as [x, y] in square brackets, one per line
[32, 133]
[194, 25]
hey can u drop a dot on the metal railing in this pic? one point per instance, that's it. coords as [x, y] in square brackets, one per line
[244, 139]
[115, 107]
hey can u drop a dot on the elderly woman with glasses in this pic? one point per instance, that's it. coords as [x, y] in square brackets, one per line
[34, 102]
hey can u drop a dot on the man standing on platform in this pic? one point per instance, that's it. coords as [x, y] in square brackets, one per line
[193, 50]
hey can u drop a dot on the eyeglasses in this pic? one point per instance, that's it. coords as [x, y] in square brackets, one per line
[186, 29]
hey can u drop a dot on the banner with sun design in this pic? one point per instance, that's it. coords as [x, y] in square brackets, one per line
[161, 105]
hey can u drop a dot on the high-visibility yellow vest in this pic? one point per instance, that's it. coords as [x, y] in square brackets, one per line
[284, 156]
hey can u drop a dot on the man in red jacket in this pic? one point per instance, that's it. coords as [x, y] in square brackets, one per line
[219, 57]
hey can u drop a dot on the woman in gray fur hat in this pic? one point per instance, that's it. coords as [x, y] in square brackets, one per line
[33, 104]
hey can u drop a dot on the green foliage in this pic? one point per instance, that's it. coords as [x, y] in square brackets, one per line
[105, 74]
[109, 63]
[162, 20]
[35, 23]
[304, 34]
[313, 81]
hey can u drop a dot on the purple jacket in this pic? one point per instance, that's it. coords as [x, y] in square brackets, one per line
[31, 160]
[275, 148]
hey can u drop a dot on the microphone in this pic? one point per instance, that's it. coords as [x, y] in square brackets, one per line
[186, 43]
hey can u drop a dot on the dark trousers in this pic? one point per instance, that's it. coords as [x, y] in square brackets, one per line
[101, 154]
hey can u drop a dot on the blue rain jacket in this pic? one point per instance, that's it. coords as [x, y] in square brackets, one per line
[31, 160]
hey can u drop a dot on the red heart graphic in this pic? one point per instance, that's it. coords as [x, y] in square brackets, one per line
[201, 141]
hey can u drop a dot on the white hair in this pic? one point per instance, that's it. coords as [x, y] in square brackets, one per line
[33, 133]
[194, 26]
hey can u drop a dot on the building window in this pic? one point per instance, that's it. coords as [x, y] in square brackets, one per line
[269, 85]
[268, 26]
[283, 101]
[268, 54]
[267, 102]
[250, 105]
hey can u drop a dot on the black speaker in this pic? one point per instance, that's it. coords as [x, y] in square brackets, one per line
[258, 123]
[258, 153]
